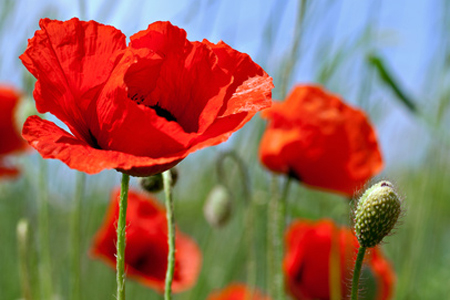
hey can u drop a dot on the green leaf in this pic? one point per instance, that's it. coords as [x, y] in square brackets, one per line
[389, 80]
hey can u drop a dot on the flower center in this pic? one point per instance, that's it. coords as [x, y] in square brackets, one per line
[94, 141]
[163, 113]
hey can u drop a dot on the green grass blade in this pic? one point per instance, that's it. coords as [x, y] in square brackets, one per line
[388, 79]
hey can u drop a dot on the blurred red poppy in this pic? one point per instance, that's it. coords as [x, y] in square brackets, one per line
[309, 246]
[323, 142]
[10, 140]
[147, 249]
[139, 109]
[237, 291]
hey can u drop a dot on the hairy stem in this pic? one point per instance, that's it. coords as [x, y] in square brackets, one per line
[167, 179]
[277, 221]
[121, 225]
[357, 272]
[249, 215]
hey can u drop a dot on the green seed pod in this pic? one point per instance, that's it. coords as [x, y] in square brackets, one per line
[376, 213]
[154, 183]
[217, 209]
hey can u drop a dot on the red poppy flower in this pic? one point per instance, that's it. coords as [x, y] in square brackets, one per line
[307, 262]
[237, 291]
[147, 249]
[10, 140]
[140, 109]
[318, 139]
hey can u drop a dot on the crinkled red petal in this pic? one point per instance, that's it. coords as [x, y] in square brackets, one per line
[192, 85]
[53, 142]
[71, 60]
[251, 85]
[126, 126]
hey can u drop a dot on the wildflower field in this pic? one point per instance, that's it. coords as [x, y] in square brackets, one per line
[224, 150]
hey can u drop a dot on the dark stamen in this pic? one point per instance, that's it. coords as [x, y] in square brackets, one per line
[384, 183]
[163, 113]
[94, 143]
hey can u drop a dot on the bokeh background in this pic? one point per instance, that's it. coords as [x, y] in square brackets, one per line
[390, 58]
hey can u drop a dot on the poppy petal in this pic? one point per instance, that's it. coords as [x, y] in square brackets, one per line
[195, 95]
[8, 172]
[11, 141]
[249, 81]
[321, 141]
[147, 248]
[309, 246]
[71, 60]
[53, 142]
[127, 125]
[146, 106]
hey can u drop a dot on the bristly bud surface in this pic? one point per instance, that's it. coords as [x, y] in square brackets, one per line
[376, 214]
[154, 183]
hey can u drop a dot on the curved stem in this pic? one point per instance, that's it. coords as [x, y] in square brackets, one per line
[249, 218]
[251, 261]
[76, 237]
[357, 272]
[167, 179]
[121, 225]
[242, 168]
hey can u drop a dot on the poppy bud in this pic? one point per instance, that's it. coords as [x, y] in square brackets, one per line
[217, 209]
[154, 183]
[376, 213]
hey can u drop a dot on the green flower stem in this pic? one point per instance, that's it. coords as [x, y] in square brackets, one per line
[76, 237]
[277, 222]
[22, 246]
[251, 261]
[281, 224]
[357, 272]
[45, 270]
[167, 179]
[334, 276]
[249, 215]
[271, 235]
[121, 225]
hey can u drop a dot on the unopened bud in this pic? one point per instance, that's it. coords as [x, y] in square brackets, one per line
[217, 209]
[376, 213]
[154, 183]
